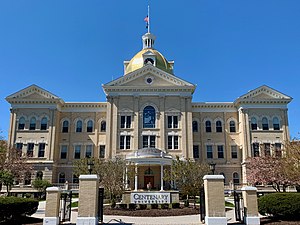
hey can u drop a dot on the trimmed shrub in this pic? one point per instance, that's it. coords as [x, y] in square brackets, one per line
[14, 207]
[176, 205]
[132, 206]
[164, 206]
[280, 205]
[123, 206]
[154, 206]
[142, 206]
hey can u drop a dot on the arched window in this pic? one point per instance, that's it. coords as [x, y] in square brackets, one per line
[39, 175]
[32, 124]
[276, 125]
[195, 126]
[79, 126]
[65, 128]
[44, 123]
[232, 126]
[149, 117]
[103, 126]
[27, 178]
[208, 126]
[265, 123]
[21, 125]
[62, 178]
[253, 123]
[235, 178]
[218, 126]
[89, 126]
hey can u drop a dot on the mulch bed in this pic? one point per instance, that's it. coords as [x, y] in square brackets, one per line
[271, 221]
[151, 212]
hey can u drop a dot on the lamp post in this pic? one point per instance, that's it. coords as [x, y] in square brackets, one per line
[212, 167]
[90, 165]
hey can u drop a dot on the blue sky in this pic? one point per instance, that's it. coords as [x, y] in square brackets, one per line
[226, 47]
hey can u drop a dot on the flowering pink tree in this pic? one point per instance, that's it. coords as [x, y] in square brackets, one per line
[268, 170]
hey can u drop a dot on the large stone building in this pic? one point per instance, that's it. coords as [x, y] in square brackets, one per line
[149, 116]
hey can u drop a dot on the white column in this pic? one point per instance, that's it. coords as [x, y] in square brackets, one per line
[161, 177]
[136, 178]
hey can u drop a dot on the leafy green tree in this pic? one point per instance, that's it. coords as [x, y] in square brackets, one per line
[41, 186]
[6, 178]
[111, 173]
[187, 175]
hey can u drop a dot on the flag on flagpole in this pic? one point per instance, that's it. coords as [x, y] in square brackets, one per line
[147, 21]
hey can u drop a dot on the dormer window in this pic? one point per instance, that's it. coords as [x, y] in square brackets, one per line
[149, 60]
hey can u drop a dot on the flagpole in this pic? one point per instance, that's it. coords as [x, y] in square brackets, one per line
[148, 18]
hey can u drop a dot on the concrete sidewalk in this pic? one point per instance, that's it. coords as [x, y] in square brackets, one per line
[170, 220]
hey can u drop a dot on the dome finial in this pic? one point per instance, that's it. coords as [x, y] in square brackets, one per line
[148, 38]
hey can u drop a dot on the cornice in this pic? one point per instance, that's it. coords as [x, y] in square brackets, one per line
[84, 107]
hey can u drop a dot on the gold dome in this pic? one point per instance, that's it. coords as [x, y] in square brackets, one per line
[137, 61]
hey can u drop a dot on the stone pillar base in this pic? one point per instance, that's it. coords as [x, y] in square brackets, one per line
[51, 221]
[87, 220]
[252, 220]
[215, 220]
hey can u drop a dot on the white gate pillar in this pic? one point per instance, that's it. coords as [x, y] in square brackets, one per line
[52, 206]
[250, 205]
[214, 200]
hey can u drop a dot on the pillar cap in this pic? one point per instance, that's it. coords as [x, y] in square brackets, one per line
[89, 177]
[53, 189]
[249, 188]
[213, 177]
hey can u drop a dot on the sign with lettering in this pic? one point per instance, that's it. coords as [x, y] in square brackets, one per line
[149, 198]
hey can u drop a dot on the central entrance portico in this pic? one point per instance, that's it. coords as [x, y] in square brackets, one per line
[149, 168]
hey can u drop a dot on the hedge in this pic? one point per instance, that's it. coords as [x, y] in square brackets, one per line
[280, 205]
[14, 208]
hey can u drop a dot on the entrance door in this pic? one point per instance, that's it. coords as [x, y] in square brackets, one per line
[148, 179]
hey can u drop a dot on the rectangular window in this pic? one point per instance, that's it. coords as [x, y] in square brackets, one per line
[209, 151]
[196, 151]
[41, 149]
[255, 147]
[125, 142]
[172, 121]
[220, 151]
[278, 152]
[19, 147]
[173, 142]
[267, 149]
[234, 153]
[102, 151]
[77, 151]
[88, 151]
[149, 141]
[125, 121]
[30, 147]
[63, 151]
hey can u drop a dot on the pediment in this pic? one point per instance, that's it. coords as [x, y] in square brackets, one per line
[139, 78]
[264, 93]
[32, 92]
